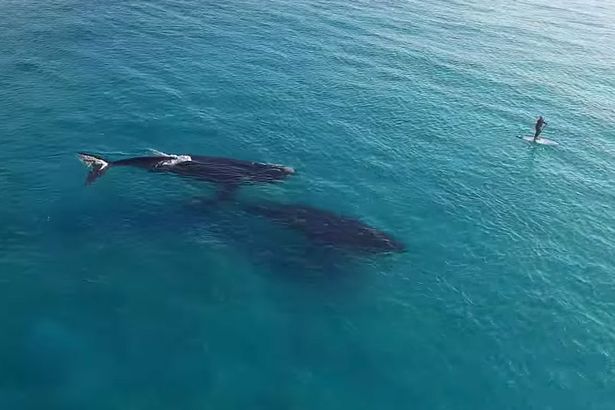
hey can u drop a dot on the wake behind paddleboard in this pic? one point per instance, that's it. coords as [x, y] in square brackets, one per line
[540, 141]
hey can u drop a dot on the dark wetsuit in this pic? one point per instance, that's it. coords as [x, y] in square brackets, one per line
[540, 124]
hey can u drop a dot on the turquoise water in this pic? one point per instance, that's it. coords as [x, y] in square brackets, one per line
[132, 294]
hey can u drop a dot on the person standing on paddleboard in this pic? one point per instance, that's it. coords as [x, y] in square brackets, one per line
[540, 124]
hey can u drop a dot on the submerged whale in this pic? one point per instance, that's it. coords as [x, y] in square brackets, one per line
[326, 228]
[227, 172]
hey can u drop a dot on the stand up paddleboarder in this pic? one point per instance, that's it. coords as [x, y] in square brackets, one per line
[540, 125]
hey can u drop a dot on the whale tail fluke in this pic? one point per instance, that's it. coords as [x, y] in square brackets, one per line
[98, 166]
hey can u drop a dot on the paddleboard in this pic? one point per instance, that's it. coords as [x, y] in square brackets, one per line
[540, 140]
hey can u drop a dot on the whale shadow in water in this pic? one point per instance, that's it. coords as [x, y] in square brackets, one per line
[271, 248]
[328, 229]
[304, 244]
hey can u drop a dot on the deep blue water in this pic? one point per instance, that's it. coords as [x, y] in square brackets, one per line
[134, 294]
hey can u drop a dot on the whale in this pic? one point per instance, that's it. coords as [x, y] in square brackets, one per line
[329, 229]
[228, 173]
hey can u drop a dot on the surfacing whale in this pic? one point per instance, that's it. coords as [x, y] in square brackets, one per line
[227, 172]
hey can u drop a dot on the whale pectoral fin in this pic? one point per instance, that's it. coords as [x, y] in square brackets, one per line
[96, 172]
[98, 166]
[226, 192]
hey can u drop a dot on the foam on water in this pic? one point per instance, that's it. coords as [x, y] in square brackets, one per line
[176, 159]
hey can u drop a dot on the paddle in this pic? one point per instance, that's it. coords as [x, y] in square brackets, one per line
[545, 126]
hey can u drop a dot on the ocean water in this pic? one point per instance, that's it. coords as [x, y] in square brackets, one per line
[133, 293]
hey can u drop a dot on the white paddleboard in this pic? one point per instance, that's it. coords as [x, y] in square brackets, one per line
[540, 140]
